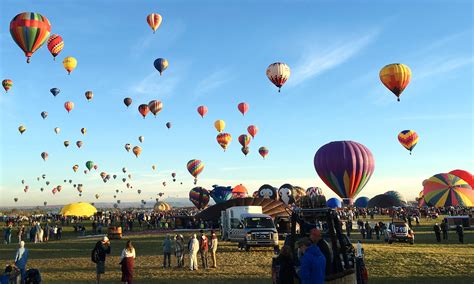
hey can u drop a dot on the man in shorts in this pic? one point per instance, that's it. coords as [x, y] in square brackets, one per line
[102, 248]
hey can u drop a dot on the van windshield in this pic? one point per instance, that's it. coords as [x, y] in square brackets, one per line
[259, 222]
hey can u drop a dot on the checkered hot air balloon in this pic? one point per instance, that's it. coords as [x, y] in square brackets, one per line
[55, 45]
[395, 77]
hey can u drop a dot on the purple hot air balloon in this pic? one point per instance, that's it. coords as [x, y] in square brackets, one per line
[345, 167]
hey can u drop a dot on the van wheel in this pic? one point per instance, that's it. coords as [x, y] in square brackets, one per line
[390, 242]
[412, 242]
[247, 248]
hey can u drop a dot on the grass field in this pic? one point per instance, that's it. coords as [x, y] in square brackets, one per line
[68, 261]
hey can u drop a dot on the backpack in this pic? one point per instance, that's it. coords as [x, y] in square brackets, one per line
[33, 276]
[95, 255]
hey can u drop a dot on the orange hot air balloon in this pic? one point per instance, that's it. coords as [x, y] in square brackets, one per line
[68, 106]
[252, 130]
[154, 21]
[396, 78]
[224, 140]
[89, 95]
[243, 108]
[202, 110]
[143, 109]
[137, 150]
[55, 45]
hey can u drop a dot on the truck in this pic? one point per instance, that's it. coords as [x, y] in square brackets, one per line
[247, 226]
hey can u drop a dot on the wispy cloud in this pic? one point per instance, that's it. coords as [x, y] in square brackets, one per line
[213, 81]
[315, 62]
[443, 65]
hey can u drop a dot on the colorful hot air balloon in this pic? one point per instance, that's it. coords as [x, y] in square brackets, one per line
[44, 155]
[128, 147]
[224, 140]
[243, 108]
[143, 109]
[239, 191]
[89, 95]
[44, 114]
[68, 106]
[83, 131]
[263, 151]
[345, 167]
[244, 140]
[464, 175]
[89, 165]
[57, 130]
[127, 101]
[137, 150]
[219, 125]
[7, 84]
[278, 73]
[155, 107]
[199, 196]
[245, 150]
[168, 125]
[141, 139]
[154, 21]
[55, 45]
[55, 91]
[22, 129]
[30, 31]
[408, 139]
[252, 130]
[79, 144]
[395, 77]
[69, 64]
[202, 110]
[444, 190]
[161, 64]
[195, 167]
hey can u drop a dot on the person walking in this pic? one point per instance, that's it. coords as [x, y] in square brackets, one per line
[444, 229]
[193, 251]
[214, 242]
[101, 249]
[203, 249]
[313, 263]
[21, 258]
[167, 251]
[437, 230]
[287, 272]
[127, 262]
[179, 250]
[460, 232]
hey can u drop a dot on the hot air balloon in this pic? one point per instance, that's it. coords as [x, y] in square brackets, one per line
[154, 21]
[278, 73]
[47, 182]
[245, 150]
[68, 106]
[224, 140]
[164, 183]
[45, 156]
[127, 101]
[244, 140]
[43, 176]
[124, 179]
[153, 167]
[239, 191]
[128, 147]
[95, 167]
[97, 196]
[161, 64]
[263, 151]
[155, 107]
[221, 194]
[395, 77]
[83, 131]
[464, 175]
[44, 114]
[54, 190]
[7, 84]
[195, 167]
[69, 64]
[42, 189]
[124, 170]
[79, 144]
[66, 143]
[55, 45]
[89, 165]
[173, 175]
[285, 194]
[219, 125]
[202, 110]
[137, 150]
[199, 196]
[334, 203]
[30, 31]
[268, 191]
[443, 190]
[15, 199]
[408, 139]
[45, 203]
[57, 130]
[130, 176]
[75, 168]
[243, 108]
[168, 125]
[141, 139]
[139, 191]
[103, 175]
[345, 167]
[22, 129]
[89, 95]
[252, 130]
[55, 91]
[143, 109]
[397, 195]
[362, 202]
[59, 188]
[22, 181]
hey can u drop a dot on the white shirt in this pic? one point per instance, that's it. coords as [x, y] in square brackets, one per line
[126, 253]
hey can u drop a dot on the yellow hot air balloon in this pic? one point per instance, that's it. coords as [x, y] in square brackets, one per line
[69, 64]
[395, 77]
[21, 129]
[219, 125]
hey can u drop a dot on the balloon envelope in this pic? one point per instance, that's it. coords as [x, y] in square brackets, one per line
[334, 203]
[362, 202]
[199, 196]
[464, 175]
[443, 190]
[221, 194]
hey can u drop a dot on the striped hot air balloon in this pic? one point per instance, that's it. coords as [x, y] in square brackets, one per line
[244, 140]
[155, 107]
[444, 190]
[408, 139]
[195, 167]
[154, 21]
[7, 84]
[199, 196]
[55, 45]
[30, 31]
[278, 73]
[395, 77]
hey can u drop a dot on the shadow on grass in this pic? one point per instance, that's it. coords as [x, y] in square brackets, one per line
[423, 280]
[191, 281]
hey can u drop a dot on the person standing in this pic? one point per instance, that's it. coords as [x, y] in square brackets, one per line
[21, 233]
[193, 251]
[317, 240]
[214, 242]
[21, 258]
[179, 250]
[286, 273]
[47, 229]
[460, 232]
[349, 227]
[101, 249]
[444, 229]
[313, 263]
[8, 234]
[167, 251]
[377, 230]
[127, 261]
[203, 249]
[437, 230]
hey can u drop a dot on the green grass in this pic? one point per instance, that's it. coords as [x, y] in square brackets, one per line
[68, 261]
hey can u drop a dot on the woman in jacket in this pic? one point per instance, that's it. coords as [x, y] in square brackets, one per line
[127, 259]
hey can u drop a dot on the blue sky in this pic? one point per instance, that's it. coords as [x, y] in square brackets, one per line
[218, 53]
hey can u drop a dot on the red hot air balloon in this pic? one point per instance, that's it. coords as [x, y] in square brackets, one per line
[155, 107]
[244, 140]
[252, 130]
[202, 110]
[464, 175]
[243, 108]
[143, 109]
[345, 167]
[263, 151]
[55, 45]
[127, 101]
[68, 106]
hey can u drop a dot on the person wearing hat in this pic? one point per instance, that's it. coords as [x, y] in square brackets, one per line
[317, 240]
[193, 251]
[102, 248]
[204, 249]
[313, 263]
